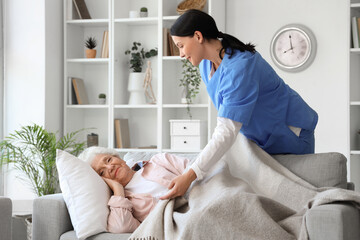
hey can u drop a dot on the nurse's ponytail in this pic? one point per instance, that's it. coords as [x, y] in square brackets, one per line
[196, 20]
[229, 43]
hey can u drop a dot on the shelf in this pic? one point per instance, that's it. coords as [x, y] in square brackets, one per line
[355, 152]
[355, 50]
[355, 103]
[185, 105]
[355, 5]
[87, 106]
[135, 106]
[138, 21]
[88, 60]
[170, 18]
[172, 58]
[89, 22]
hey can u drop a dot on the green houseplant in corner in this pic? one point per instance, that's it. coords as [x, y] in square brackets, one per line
[136, 78]
[32, 151]
[190, 82]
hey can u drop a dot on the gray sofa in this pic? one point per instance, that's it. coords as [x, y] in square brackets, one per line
[5, 218]
[337, 221]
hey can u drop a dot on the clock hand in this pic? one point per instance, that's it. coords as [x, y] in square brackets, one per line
[289, 50]
[291, 46]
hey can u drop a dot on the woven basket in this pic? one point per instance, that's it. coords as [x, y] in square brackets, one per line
[190, 4]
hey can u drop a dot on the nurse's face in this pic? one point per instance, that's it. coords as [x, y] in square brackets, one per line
[191, 48]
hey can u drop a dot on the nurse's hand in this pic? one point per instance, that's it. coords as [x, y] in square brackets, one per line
[180, 185]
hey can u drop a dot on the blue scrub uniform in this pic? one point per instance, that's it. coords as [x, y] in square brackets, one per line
[246, 89]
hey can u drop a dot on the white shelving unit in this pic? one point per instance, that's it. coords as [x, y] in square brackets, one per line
[354, 101]
[149, 124]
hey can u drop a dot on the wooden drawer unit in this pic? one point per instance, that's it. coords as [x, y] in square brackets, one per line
[188, 134]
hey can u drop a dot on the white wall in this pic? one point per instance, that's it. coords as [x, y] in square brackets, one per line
[324, 84]
[32, 77]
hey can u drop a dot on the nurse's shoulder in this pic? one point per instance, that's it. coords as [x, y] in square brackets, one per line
[239, 60]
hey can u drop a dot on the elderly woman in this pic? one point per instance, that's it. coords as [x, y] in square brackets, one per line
[135, 190]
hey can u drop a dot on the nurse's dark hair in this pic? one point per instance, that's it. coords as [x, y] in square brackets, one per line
[195, 20]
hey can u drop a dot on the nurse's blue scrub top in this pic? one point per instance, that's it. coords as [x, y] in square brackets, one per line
[246, 89]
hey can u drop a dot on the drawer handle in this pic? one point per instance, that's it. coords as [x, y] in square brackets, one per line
[184, 141]
[184, 127]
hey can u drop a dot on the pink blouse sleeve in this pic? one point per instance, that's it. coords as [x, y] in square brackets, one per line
[121, 219]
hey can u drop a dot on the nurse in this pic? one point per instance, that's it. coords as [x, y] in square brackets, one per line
[248, 94]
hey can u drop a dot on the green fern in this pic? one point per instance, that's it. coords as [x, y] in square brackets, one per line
[32, 150]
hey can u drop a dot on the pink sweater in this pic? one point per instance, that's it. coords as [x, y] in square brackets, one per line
[126, 213]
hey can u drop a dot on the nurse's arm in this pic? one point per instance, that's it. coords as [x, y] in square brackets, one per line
[222, 139]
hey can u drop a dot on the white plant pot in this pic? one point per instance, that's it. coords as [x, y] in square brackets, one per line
[101, 100]
[136, 89]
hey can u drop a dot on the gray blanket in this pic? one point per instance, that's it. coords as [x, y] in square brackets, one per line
[247, 195]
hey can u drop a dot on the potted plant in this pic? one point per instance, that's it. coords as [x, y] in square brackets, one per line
[190, 82]
[102, 98]
[136, 78]
[90, 44]
[143, 12]
[32, 151]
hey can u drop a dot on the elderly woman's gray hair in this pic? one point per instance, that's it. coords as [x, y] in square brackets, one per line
[89, 154]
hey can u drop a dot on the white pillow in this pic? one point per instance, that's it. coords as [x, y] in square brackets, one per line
[85, 193]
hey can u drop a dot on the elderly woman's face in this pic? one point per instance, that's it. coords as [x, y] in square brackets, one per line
[112, 167]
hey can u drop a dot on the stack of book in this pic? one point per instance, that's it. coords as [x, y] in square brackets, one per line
[169, 47]
[122, 134]
[355, 26]
[77, 91]
[105, 45]
[81, 9]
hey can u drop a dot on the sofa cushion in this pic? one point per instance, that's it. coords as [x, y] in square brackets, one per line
[320, 169]
[101, 236]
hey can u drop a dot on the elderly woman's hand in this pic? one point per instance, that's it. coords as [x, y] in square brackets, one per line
[115, 186]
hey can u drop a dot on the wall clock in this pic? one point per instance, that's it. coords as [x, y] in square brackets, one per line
[293, 47]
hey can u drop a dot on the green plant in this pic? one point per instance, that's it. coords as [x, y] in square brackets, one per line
[90, 43]
[137, 56]
[32, 150]
[190, 81]
[102, 95]
[143, 9]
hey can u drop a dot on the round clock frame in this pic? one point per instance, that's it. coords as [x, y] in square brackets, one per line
[293, 59]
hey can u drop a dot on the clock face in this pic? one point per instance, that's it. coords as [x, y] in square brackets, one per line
[293, 48]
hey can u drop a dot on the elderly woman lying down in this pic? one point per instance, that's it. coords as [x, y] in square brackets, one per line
[136, 190]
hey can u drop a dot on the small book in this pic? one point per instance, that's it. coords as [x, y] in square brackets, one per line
[71, 92]
[166, 47]
[104, 52]
[81, 9]
[358, 28]
[174, 50]
[355, 33]
[80, 91]
[122, 134]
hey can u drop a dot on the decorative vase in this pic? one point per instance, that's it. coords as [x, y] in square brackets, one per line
[134, 14]
[184, 94]
[136, 89]
[90, 53]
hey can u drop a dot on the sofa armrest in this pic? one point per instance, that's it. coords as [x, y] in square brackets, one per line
[5, 218]
[337, 221]
[50, 217]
